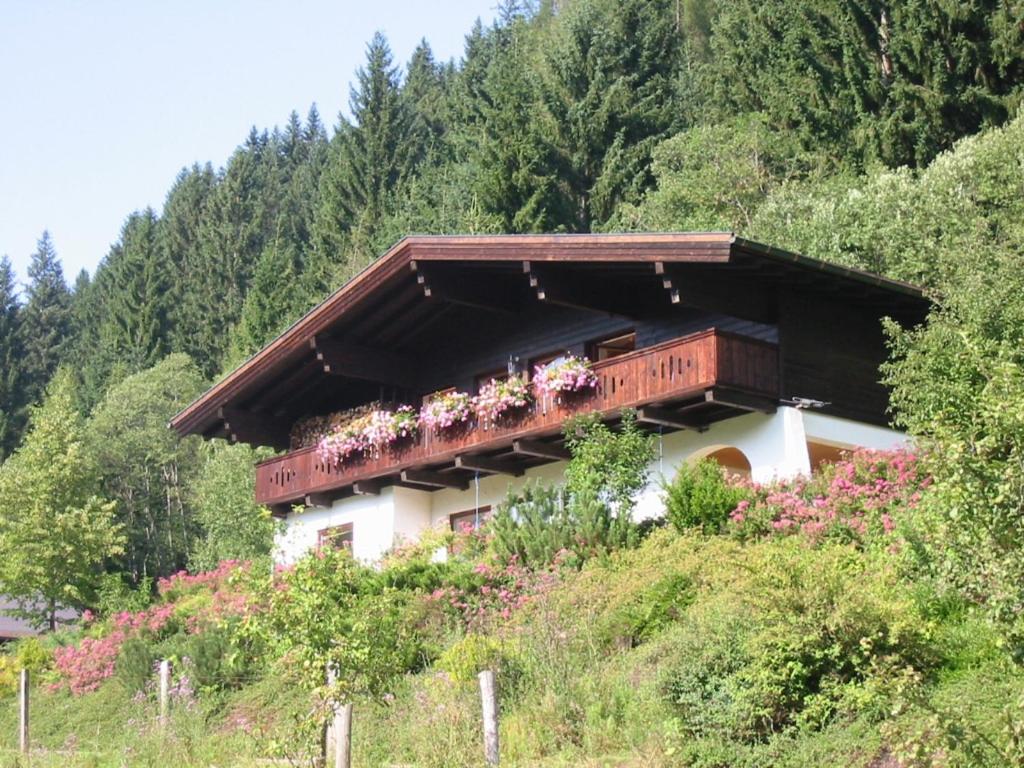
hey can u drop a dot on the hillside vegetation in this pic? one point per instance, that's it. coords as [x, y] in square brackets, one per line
[791, 625]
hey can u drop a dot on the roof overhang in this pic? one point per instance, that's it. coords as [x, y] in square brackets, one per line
[407, 267]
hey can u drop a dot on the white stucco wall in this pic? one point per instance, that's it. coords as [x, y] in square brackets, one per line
[774, 444]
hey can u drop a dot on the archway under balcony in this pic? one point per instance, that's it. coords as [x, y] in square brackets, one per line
[731, 458]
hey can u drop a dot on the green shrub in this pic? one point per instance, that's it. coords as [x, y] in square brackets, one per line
[473, 654]
[134, 665]
[116, 595]
[700, 496]
[806, 635]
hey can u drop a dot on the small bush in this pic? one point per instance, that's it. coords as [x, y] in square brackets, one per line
[701, 496]
[473, 654]
[134, 665]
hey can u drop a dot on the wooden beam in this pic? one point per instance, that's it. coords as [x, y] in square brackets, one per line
[324, 500]
[666, 418]
[254, 428]
[580, 291]
[465, 290]
[367, 488]
[540, 450]
[354, 361]
[743, 400]
[284, 389]
[488, 465]
[433, 479]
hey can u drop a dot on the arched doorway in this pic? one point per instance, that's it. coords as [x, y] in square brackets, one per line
[732, 459]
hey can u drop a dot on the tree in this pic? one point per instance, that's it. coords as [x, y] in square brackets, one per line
[56, 532]
[45, 320]
[10, 361]
[136, 283]
[504, 140]
[608, 86]
[891, 81]
[369, 156]
[221, 497]
[146, 468]
[714, 177]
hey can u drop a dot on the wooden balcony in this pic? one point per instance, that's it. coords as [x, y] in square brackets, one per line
[683, 383]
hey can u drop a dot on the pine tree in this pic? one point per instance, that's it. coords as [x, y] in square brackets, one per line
[179, 233]
[135, 329]
[424, 95]
[369, 157]
[505, 141]
[609, 89]
[11, 416]
[46, 331]
[240, 216]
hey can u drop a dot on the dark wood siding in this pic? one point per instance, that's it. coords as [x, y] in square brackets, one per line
[831, 351]
[545, 329]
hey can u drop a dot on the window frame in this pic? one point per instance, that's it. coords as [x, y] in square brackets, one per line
[595, 345]
[479, 515]
[336, 536]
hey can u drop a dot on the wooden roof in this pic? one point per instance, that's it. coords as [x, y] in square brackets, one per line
[384, 306]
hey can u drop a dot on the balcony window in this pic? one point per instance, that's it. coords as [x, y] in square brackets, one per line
[469, 520]
[606, 349]
[336, 537]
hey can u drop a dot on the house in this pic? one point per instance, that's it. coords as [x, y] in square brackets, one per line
[765, 360]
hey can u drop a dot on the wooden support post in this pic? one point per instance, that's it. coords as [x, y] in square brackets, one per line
[165, 691]
[433, 479]
[489, 699]
[541, 450]
[23, 742]
[488, 465]
[343, 736]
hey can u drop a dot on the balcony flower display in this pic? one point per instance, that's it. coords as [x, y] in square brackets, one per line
[308, 432]
[447, 410]
[498, 397]
[370, 433]
[385, 427]
[564, 375]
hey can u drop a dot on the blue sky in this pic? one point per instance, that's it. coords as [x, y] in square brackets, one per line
[101, 103]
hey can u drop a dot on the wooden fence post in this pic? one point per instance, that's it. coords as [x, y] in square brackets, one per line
[339, 733]
[165, 691]
[23, 742]
[489, 699]
[343, 736]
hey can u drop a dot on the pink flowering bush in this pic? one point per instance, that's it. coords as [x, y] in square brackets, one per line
[190, 605]
[856, 499]
[498, 398]
[492, 592]
[447, 410]
[563, 376]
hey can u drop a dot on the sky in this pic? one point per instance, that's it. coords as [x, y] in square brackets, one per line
[102, 103]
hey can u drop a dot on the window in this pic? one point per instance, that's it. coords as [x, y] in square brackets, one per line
[546, 359]
[500, 375]
[613, 347]
[469, 520]
[337, 537]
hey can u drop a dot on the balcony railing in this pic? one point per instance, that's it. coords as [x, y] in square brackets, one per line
[682, 372]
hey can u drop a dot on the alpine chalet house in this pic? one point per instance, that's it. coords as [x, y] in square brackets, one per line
[441, 374]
